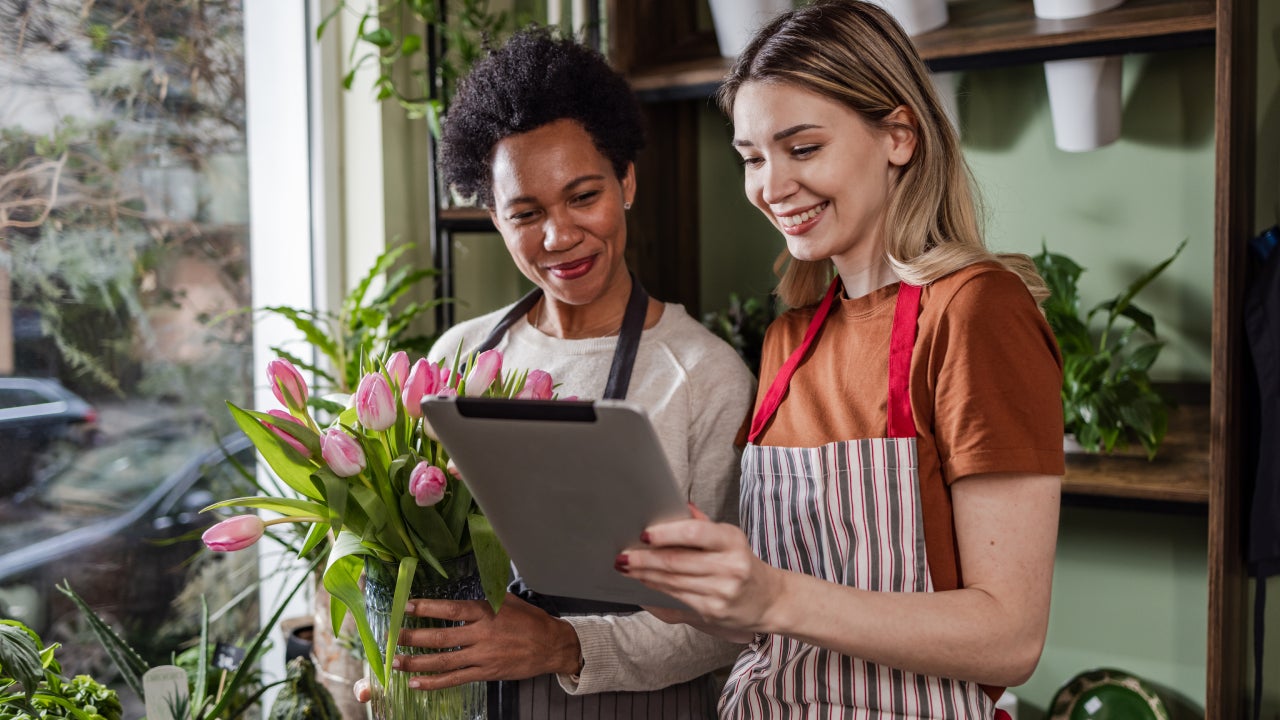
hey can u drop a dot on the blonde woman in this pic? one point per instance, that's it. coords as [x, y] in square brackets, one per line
[900, 490]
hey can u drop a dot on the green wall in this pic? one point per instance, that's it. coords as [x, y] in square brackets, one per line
[1130, 588]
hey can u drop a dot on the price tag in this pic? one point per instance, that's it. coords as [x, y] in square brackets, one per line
[227, 657]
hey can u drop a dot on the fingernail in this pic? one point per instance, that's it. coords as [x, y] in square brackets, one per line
[415, 684]
[644, 537]
[621, 560]
[395, 663]
[408, 607]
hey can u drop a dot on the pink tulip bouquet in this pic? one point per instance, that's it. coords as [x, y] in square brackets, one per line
[375, 480]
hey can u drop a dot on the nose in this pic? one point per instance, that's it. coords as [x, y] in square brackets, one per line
[776, 183]
[560, 232]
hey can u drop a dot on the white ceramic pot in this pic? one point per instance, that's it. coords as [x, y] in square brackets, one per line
[916, 16]
[1084, 99]
[736, 20]
[1063, 9]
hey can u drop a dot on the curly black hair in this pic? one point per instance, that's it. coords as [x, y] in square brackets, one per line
[532, 80]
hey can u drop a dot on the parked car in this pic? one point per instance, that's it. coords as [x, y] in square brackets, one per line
[120, 524]
[34, 413]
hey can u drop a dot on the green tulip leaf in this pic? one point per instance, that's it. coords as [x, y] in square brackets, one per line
[492, 559]
[278, 455]
[342, 580]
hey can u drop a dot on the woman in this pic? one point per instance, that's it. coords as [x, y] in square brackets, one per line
[544, 133]
[900, 489]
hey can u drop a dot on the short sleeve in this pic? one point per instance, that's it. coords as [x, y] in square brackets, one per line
[997, 377]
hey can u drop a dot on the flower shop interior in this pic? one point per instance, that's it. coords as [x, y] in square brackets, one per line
[189, 190]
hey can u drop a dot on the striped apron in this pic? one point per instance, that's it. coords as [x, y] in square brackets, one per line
[542, 698]
[847, 512]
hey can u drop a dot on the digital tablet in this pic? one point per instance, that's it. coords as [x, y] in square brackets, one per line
[567, 486]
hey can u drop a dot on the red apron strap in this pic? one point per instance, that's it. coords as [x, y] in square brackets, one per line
[901, 343]
[773, 398]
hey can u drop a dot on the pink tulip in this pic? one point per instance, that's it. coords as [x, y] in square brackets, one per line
[487, 367]
[284, 418]
[342, 453]
[423, 380]
[426, 484]
[235, 533]
[537, 386]
[375, 403]
[398, 367]
[447, 378]
[287, 385]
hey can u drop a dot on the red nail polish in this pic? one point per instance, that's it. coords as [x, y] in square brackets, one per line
[644, 537]
[621, 560]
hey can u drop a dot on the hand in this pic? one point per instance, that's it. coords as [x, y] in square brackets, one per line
[709, 567]
[519, 642]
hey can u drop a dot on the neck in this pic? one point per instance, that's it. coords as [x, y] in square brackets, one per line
[863, 278]
[601, 317]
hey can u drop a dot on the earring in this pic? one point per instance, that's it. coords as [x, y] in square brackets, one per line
[626, 206]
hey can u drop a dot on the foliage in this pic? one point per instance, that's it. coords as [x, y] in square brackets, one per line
[742, 325]
[229, 698]
[32, 685]
[97, 208]
[344, 338]
[396, 37]
[1107, 396]
[303, 697]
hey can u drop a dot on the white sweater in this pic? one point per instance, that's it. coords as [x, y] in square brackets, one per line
[698, 393]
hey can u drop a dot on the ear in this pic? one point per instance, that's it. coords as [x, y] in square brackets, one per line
[901, 131]
[629, 184]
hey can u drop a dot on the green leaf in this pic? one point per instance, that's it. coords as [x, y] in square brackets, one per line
[302, 320]
[404, 581]
[411, 44]
[201, 685]
[279, 456]
[492, 559]
[428, 527]
[381, 37]
[126, 659]
[19, 655]
[342, 580]
[290, 507]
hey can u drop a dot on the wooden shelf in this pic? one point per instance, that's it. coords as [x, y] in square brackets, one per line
[987, 33]
[1179, 474]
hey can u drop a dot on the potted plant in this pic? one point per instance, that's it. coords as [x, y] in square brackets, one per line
[1108, 400]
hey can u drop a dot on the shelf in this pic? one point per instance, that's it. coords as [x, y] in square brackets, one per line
[989, 33]
[1179, 474]
[467, 219]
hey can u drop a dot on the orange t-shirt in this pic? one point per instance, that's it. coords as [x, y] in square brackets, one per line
[985, 387]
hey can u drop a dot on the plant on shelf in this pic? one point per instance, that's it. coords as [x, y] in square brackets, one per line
[1108, 399]
[742, 325]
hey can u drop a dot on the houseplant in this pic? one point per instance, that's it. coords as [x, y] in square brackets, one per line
[1107, 396]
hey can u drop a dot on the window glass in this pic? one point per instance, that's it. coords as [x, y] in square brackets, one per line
[123, 276]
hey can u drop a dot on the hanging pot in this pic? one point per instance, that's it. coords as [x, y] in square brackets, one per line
[737, 20]
[1064, 9]
[1084, 99]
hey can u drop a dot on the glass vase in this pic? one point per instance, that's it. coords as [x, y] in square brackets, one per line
[398, 701]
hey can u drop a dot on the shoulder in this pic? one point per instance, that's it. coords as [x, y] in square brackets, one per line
[987, 287]
[695, 348]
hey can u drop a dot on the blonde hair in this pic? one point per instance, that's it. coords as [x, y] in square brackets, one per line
[854, 53]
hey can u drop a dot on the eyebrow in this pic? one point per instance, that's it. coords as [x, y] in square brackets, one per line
[780, 135]
[569, 187]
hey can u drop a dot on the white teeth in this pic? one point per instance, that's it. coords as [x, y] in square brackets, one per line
[794, 220]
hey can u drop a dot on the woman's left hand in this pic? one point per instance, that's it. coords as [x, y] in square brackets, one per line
[709, 567]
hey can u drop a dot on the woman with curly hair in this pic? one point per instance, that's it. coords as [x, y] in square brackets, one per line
[900, 489]
[544, 134]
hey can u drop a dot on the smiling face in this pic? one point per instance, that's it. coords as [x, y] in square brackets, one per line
[819, 171]
[559, 207]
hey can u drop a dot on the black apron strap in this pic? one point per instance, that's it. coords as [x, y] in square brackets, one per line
[517, 311]
[624, 357]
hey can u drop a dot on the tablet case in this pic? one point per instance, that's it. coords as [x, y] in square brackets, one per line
[567, 485]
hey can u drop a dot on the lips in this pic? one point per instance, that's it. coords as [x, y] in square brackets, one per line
[573, 269]
[803, 221]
